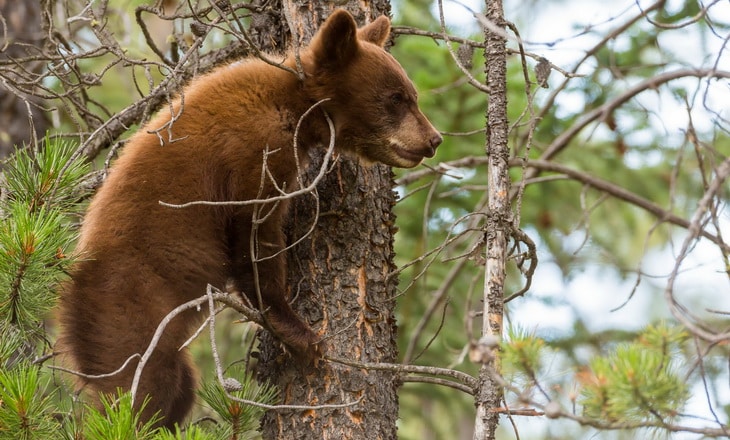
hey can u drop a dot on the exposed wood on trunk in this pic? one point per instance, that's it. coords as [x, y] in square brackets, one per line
[340, 276]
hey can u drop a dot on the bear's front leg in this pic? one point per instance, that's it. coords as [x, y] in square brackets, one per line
[261, 274]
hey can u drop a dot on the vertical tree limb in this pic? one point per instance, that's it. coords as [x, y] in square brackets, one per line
[499, 223]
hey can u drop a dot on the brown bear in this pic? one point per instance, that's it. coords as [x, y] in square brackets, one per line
[139, 259]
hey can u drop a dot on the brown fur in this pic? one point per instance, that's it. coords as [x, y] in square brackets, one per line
[139, 260]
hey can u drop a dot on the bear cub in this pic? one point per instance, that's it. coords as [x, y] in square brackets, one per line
[229, 137]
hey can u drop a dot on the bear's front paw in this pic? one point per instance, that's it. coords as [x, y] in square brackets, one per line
[307, 347]
[318, 351]
[299, 340]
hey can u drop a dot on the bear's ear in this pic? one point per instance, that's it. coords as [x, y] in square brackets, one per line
[336, 42]
[376, 32]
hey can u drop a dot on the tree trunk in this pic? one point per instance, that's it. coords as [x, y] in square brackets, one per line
[341, 278]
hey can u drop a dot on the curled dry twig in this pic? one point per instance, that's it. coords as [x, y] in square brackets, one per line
[695, 228]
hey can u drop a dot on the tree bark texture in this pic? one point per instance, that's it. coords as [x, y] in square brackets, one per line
[341, 279]
[21, 117]
[499, 223]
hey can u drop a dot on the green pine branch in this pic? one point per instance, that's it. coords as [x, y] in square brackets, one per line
[636, 383]
[118, 421]
[241, 420]
[26, 412]
[40, 191]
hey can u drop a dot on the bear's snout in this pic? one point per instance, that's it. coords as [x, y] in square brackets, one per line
[435, 141]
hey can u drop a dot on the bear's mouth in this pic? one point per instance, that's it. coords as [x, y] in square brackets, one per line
[406, 154]
[410, 155]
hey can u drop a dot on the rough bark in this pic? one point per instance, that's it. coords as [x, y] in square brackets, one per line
[21, 117]
[341, 278]
[498, 226]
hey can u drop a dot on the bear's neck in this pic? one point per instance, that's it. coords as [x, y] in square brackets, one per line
[279, 95]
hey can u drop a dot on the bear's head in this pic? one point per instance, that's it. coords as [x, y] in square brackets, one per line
[371, 99]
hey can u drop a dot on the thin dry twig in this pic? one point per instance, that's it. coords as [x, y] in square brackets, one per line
[284, 195]
[695, 229]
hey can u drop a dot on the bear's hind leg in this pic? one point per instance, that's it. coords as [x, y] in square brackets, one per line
[172, 394]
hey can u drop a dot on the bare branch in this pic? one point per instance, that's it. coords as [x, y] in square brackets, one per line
[460, 377]
[614, 190]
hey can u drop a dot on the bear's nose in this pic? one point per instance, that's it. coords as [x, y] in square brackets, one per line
[436, 140]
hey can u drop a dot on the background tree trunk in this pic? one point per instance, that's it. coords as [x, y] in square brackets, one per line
[341, 278]
[20, 116]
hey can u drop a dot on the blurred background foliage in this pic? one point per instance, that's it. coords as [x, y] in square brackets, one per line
[579, 231]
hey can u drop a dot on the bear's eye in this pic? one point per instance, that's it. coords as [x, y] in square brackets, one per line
[397, 98]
